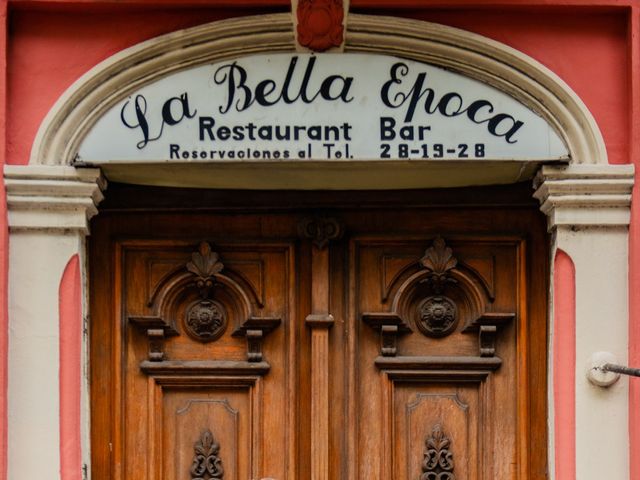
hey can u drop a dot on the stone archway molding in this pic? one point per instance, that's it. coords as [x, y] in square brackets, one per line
[50, 203]
[469, 54]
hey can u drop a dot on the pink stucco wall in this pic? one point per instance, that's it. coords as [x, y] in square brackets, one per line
[590, 44]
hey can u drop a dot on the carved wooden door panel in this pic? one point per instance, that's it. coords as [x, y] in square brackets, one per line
[364, 343]
[439, 385]
[192, 351]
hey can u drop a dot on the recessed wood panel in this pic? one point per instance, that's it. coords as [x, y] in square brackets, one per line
[418, 410]
[227, 413]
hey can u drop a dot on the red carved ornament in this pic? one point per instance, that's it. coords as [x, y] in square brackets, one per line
[320, 24]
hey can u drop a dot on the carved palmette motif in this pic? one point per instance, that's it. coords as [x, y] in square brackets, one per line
[207, 464]
[438, 314]
[438, 459]
[205, 319]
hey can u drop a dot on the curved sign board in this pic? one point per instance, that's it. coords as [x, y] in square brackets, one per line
[335, 107]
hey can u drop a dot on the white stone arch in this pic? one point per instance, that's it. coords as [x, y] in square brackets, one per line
[50, 203]
[470, 54]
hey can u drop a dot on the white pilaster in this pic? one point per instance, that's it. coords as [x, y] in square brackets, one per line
[588, 209]
[48, 209]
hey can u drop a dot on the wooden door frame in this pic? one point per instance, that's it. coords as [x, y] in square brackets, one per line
[131, 201]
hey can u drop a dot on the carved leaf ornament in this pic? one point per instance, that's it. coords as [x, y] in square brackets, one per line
[439, 260]
[207, 464]
[438, 459]
[438, 314]
[204, 265]
[205, 319]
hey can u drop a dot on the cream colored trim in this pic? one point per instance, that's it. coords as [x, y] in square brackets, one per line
[588, 209]
[472, 55]
[491, 62]
[585, 195]
[52, 198]
[49, 208]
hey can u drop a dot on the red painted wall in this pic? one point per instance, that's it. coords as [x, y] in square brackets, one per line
[564, 365]
[48, 51]
[70, 295]
[590, 44]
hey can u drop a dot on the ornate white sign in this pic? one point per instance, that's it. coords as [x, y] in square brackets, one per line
[318, 107]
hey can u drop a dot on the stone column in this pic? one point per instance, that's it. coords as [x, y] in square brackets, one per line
[588, 209]
[49, 209]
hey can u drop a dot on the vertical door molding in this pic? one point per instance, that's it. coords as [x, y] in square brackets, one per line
[48, 209]
[588, 210]
[320, 231]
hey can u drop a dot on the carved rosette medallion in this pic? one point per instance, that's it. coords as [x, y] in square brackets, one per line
[438, 459]
[207, 464]
[320, 24]
[205, 320]
[437, 316]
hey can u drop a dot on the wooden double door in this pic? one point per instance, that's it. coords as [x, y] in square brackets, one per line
[366, 336]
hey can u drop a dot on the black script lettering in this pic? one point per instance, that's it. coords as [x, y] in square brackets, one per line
[451, 104]
[235, 77]
[168, 117]
[263, 90]
[327, 83]
[415, 94]
[444, 103]
[268, 92]
[497, 120]
[140, 106]
[473, 109]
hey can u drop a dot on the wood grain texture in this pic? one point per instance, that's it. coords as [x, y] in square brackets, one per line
[323, 403]
[320, 321]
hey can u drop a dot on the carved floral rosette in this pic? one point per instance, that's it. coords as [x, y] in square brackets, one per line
[437, 315]
[205, 319]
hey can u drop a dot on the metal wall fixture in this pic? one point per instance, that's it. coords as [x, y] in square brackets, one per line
[603, 369]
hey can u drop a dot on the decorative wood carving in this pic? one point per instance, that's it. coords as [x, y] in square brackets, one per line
[438, 314]
[157, 330]
[255, 329]
[421, 296]
[207, 464]
[320, 24]
[320, 230]
[436, 362]
[391, 326]
[203, 367]
[439, 261]
[438, 459]
[487, 326]
[204, 265]
[205, 320]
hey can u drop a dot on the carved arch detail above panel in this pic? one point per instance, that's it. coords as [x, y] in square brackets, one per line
[215, 295]
[430, 295]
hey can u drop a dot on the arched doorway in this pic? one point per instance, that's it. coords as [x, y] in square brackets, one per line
[531, 84]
